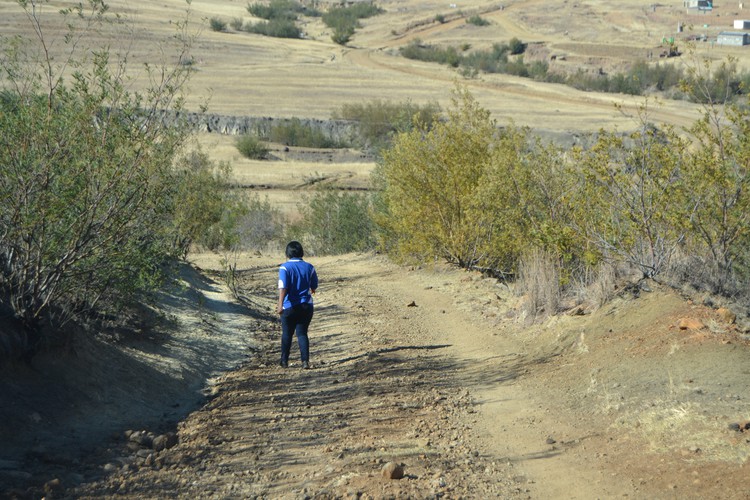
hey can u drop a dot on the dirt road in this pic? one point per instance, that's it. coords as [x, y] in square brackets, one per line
[429, 369]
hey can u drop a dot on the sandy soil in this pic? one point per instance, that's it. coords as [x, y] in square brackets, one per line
[433, 369]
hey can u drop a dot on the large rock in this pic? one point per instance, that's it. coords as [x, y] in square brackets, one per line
[392, 470]
[165, 441]
[690, 324]
[726, 315]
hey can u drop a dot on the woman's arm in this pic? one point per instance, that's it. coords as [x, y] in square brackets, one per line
[282, 296]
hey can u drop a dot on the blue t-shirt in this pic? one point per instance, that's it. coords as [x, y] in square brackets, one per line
[298, 277]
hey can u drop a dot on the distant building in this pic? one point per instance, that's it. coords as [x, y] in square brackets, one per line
[698, 4]
[741, 24]
[733, 38]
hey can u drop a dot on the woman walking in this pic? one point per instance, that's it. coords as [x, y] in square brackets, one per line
[297, 284]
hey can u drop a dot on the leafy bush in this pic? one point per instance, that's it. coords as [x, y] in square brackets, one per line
[516, 46]
[276, 9]
[477, 21]
[504, 202]
[217, 24]
[251, 147]
[336, 222]
[342, 36]
[258, 224]
[87, 212]
[295, 133]
[430, 179]
[345, 20]
[418, 51]
[206, 206]
[379, 120]
[236, 23]
[278, 28]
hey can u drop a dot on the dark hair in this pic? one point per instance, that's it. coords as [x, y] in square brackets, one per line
[294, 250]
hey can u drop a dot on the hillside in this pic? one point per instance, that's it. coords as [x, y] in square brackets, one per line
[437, 369]
[433, 369]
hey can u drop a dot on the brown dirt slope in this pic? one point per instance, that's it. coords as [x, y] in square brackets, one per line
[432, 369]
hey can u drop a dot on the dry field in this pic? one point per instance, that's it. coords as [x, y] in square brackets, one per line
[242, 74]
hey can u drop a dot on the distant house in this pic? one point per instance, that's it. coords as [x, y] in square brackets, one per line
[698, 4]
[733, 38]
[741, 24]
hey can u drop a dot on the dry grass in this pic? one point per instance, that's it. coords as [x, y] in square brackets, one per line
[243, 74]
[253, 75]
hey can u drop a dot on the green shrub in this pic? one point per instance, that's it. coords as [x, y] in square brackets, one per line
[251, 147]
[87, 211]
[278, 28]
[440, 18]
[345, 20]
[429, 53]
[295, 133]
[217, 24]
[258, 224]
[276, 9]
[379, 120]
[206, 206]
[516, 46]
[336, 222]
[342, 36]
[477, 21]
[236, 23]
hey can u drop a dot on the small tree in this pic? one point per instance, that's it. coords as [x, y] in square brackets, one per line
[87, 188]
[631, 198]
[251, 147]
[336, 222]
[430, 177]
[718, 201]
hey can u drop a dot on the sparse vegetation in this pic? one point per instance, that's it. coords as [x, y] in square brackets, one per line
[335, 222]
[280, 16]
[379, 120]
[345, 20]
[278, 28]
[463, 192]
[93, 211]
[280, 10]
[295, 133]
[217, 24]
[719, 86]
[477, 21]
[251, 147]
[236, 23]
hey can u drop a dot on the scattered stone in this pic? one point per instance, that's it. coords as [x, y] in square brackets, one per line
[690, 324]
[551, 440]
[110, 468]
[392, 470]
[165, 441]
[411, 304]
[141, 438]
[53, 486]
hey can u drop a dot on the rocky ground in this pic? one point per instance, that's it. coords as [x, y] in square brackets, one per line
[435, 376]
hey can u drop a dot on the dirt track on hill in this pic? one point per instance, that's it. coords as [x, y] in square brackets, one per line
[432, 370]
